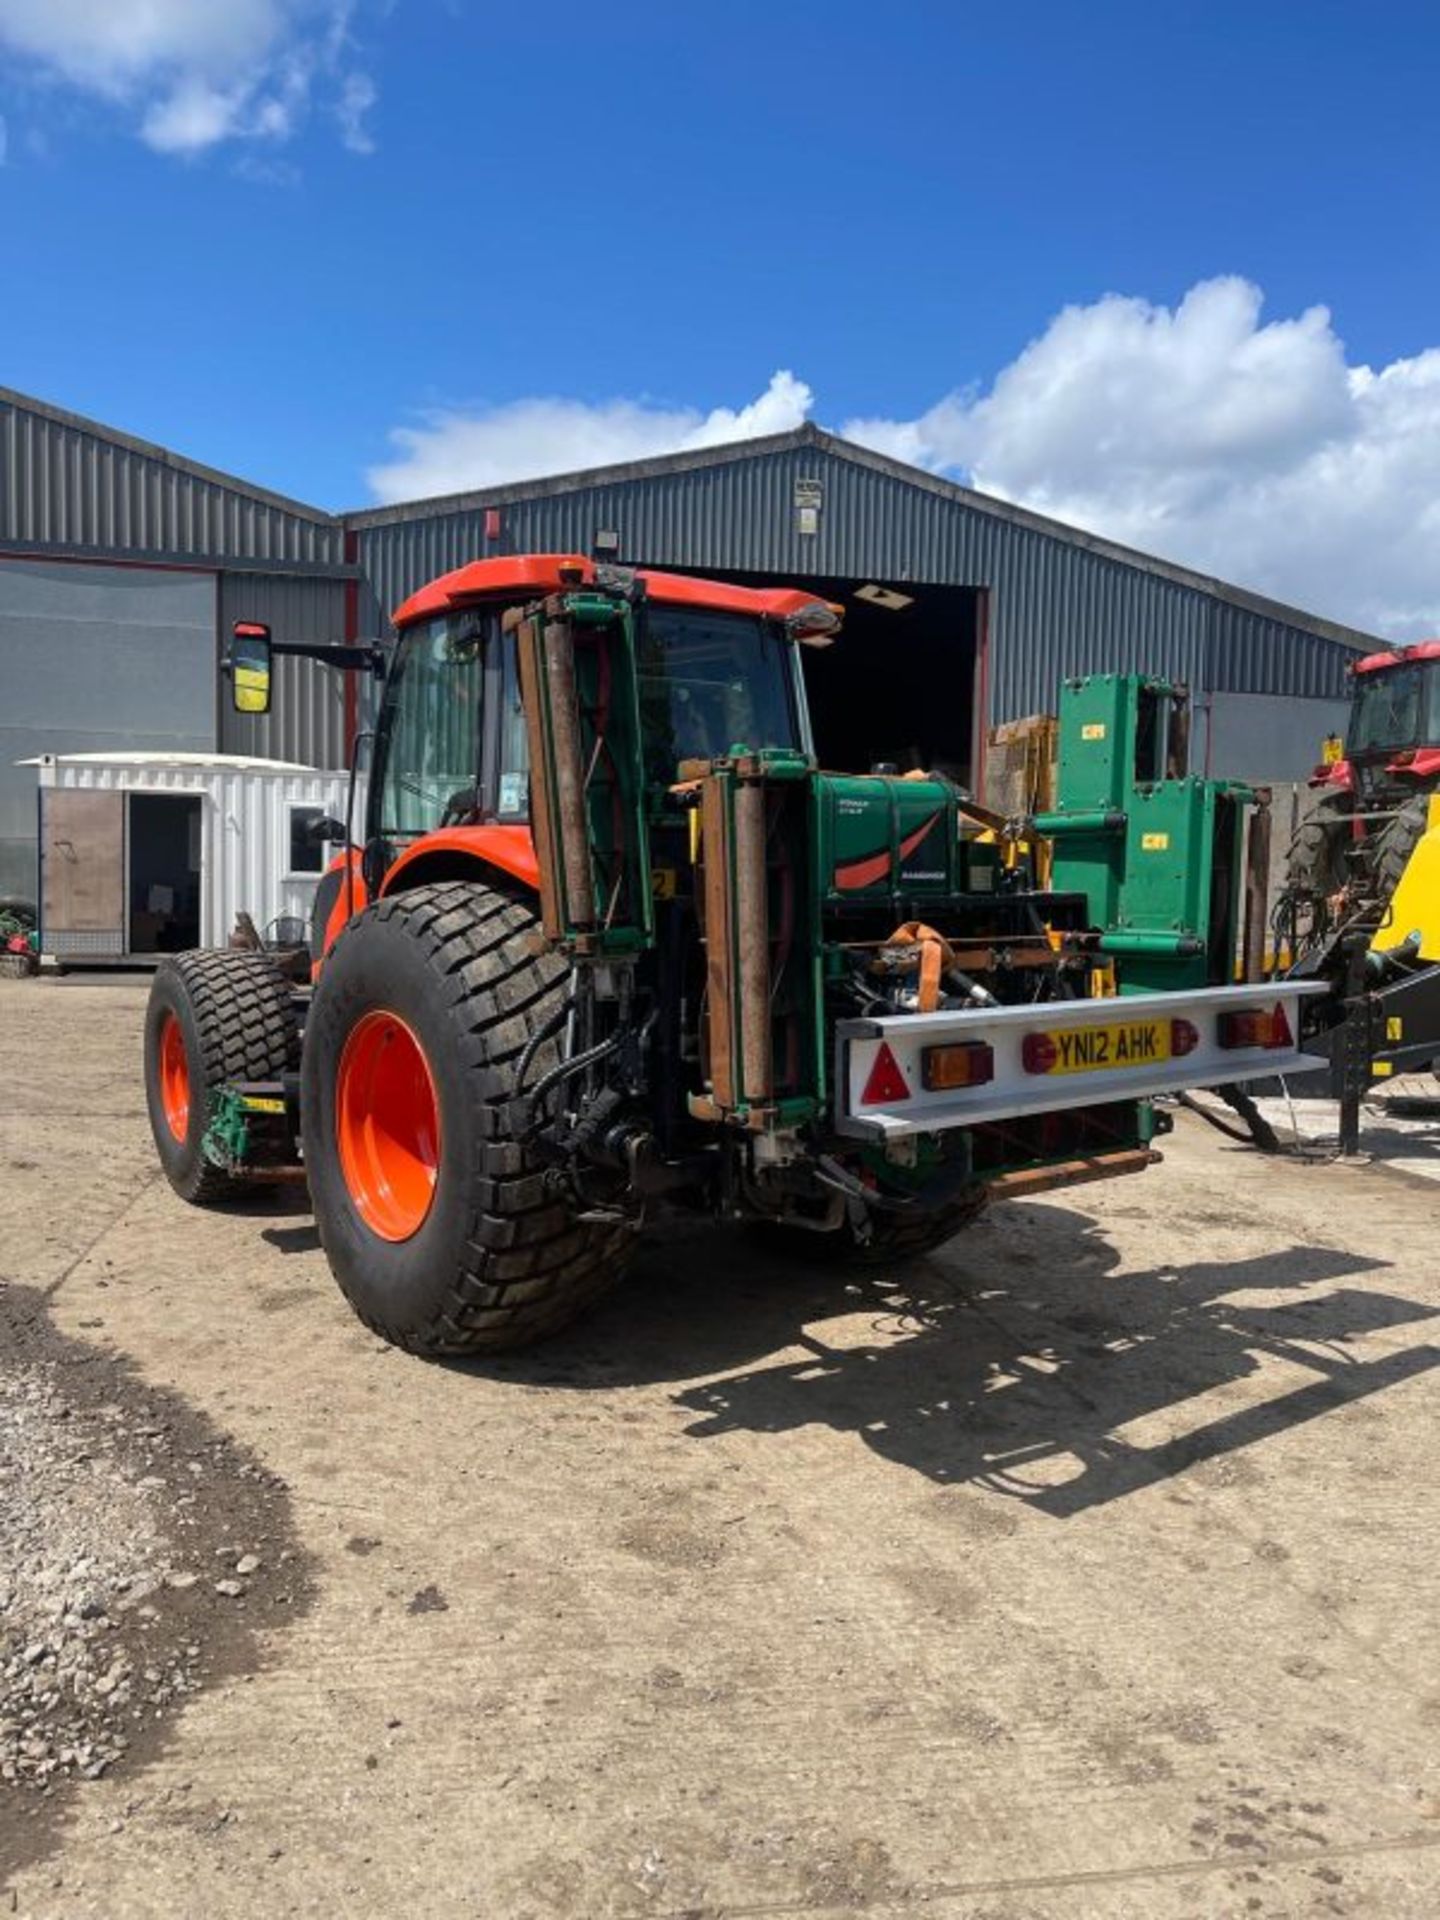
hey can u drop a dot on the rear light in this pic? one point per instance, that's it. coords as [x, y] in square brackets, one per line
[1255, 1028]
[1184, 1038]
[886, 1081]
[966, 1063]
[1038, 1053]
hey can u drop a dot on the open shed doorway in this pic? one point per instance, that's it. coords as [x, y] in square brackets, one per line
[163, 839]
[901, 686]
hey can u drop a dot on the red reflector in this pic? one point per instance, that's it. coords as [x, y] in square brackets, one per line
[1184, 1038]
[1255, 1028]
[964, 1063]
[886, 1081]
[1038, 1053]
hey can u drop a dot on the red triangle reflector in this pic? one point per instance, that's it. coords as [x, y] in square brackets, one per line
[1280, 1034]
[886, 1081]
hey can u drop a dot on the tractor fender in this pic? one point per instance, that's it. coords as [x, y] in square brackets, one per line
[455, 853]
[1422, 764]
[1338, 774]
[334, 903]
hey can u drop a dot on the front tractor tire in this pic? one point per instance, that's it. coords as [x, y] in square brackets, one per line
[439, 1225]
[212, 1017]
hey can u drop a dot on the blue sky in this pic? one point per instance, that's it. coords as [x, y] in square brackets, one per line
[233, 249]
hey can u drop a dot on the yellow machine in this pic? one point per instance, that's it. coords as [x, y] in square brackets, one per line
[1413, 921]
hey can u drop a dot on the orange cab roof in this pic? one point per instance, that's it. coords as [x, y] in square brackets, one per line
[518, 576]
[1420, 650]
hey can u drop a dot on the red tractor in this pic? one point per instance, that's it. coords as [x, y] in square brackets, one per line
[1348, 855]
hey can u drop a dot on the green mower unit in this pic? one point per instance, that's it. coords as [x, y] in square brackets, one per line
[1158, 853]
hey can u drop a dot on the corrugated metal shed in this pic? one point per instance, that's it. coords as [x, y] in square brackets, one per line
[1062, 601]
[76, 491]
[796, 505]
[306, 721]
[67, 482]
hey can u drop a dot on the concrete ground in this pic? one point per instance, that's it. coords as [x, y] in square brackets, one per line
[1400, 1124]
[1088, 1569]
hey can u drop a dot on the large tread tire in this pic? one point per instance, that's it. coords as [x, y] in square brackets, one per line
[1315, 863]
[1397, 840]
[500, 1259]
[236, 1014]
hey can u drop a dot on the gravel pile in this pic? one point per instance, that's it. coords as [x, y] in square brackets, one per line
[140, 1549]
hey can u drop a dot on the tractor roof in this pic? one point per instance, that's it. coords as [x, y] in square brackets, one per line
[1377, 662]
[518, 575]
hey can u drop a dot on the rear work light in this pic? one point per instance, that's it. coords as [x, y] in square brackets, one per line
[963, 1063]
[1255, 1028]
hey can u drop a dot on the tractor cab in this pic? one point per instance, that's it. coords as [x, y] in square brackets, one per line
[1394, 733]
[714, 664]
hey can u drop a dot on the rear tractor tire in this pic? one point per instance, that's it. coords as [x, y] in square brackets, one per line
[438, 1223]
[1316, 863]
[1397, 840]
[212, 1017]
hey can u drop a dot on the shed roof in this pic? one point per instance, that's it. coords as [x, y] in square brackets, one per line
[659, 466]
[157, 757]
[162, 456]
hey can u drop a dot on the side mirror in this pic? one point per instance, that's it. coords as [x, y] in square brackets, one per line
[326, 831]
[249, 667]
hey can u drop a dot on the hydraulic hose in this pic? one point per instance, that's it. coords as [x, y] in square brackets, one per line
[566, 1070]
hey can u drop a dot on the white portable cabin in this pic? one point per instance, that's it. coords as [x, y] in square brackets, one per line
[149, 853]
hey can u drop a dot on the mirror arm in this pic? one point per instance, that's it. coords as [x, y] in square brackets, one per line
[370, 659]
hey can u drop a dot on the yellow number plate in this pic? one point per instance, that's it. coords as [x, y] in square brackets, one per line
[1132, 1043]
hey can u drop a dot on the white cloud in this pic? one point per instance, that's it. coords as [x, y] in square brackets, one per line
[193, 73]
[358, 95]
[193, 115]
[1249, 449]
[452, 450]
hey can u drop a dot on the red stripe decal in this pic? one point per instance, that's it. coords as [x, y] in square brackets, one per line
[871, 867]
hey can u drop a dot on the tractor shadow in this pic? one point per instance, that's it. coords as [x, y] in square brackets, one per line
[1013, 1361]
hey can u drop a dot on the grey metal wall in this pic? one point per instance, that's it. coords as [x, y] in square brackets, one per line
[95, 658]
[1265, 737]
[306, 721]
[1057, 606]
[64, 484]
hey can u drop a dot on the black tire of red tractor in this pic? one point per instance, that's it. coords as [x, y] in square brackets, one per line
[1397, 840]
[500, 1259]
[237, 1016]
[894, 1237]
[1316, 859]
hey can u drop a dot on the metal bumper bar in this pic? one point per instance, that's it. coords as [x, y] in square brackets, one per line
[1014, 1089]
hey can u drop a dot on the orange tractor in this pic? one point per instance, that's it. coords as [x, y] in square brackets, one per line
[611, 940]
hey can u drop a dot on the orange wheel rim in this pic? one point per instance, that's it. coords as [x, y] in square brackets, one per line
[387, 1125]
[174, 1077]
